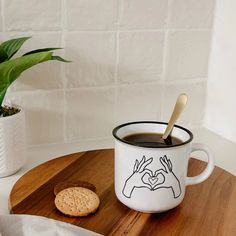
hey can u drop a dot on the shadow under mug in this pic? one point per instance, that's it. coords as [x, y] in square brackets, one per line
[154, 179]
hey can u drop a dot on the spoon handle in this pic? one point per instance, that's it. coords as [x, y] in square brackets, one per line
[179, 106]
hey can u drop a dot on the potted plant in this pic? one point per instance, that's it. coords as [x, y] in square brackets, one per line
[12, 118]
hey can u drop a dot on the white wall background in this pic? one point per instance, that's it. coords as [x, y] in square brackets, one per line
[131, 58]
[221, 100]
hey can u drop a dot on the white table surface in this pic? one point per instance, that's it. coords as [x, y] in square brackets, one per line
[224, 150]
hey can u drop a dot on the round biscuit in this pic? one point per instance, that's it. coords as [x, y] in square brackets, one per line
[77, 201]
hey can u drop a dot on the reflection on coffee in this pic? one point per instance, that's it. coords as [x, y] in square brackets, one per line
[151, 140]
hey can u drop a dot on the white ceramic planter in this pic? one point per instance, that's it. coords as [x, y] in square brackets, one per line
[12, 143]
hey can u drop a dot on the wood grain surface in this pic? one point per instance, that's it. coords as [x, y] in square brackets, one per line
[208, 208]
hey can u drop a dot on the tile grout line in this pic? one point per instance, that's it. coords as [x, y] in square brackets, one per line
[63, 70]
[164, 64]
[116, 79]
[170, 82]
[114, 31]
[3, 16]
[119, 7]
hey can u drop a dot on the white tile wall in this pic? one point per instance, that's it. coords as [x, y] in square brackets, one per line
[140, 56]
[191, 13]
[93, 55]
[95, 15]
[24, 15]
[1, 16]
[143, 14]
[194, 110]
[138, 102]
[187, 55]
[89, 113]
[44, 115]
[131, 58]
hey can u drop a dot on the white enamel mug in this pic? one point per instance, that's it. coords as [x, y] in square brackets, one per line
[154, 179]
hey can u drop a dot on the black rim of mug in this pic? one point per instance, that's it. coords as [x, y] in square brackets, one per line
[114, 133]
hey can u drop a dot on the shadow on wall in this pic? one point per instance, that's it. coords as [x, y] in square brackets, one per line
[43, 126]
[44, 76]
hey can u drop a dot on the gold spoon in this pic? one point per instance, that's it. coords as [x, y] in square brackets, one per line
[179, 106]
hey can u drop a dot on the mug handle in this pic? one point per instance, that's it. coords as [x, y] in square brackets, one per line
[209, 168]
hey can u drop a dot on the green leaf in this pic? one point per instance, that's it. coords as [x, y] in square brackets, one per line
[11, 70]
[13, 45]
[2, 94]
[3, 55]
[57, 58]
[41, 50]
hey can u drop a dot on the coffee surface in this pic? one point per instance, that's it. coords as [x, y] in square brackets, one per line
[151, 140]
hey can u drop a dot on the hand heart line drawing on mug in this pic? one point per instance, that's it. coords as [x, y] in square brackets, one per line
[142, 177]
[153, 180]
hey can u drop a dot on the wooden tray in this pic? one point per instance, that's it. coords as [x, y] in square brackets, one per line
[208, 208]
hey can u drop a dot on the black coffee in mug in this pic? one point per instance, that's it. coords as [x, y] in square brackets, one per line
[151, 140]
